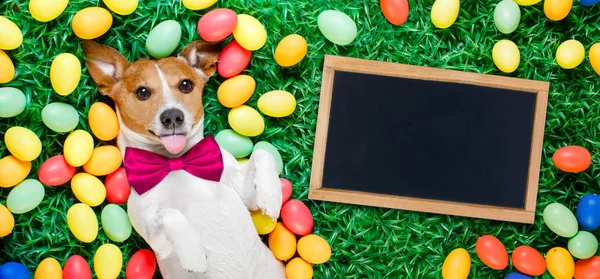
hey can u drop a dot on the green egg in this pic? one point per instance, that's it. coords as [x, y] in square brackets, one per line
[12, 102]
[60, 117]
[115, 223]
[583, 245]
[271, 149]
[507, 16]
[238, 145]
[25, 197]
[560, 220]
[163, 39]
[337, 27]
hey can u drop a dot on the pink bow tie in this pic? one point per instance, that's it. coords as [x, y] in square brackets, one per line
[146, 169]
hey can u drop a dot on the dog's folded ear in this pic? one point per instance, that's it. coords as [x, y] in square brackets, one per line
[202, 56]
[105, 64]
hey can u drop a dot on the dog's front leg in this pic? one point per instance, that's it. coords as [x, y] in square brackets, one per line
[266, 180]
[186, 243]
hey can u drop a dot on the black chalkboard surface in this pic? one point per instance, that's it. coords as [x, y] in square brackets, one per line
[430, 140]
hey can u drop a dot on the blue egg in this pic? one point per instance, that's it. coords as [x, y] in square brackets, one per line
[13, 270]
[588, 212]
[516, 275]
[588, 3]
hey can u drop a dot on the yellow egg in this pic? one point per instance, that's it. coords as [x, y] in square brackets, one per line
[570, 54]
[506, 56]
[105, 160]
[65, 73]
[23, 143]
[8, 68]
[7, 221]
[246, 121]
[11, 35]
[444, 13]
[290, 50]
[249, 32]
[557, 9]
[78, 148]
[527, 2]
[108, 261]
[277, 103]
[282, 242]
[242, 161]
[263, 223]
[314, 249]
[457, 264]
[560, 263]
[47, 10]
[236, 91]
[122, 7]
[91, 22]
[198, 4]
[103, 121]
[594, 56]
[82, 222]
[13, 171]
[49, 268]
[298, 268]
[88, 189]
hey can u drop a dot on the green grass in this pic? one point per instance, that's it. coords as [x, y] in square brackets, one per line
[366, 242]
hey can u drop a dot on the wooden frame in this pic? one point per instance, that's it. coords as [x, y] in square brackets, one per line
[317, 191]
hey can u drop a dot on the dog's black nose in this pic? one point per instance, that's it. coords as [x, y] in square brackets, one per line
[171, 118]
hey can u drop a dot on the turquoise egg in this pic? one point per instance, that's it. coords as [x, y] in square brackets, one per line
[337, 27]
[115, 223]
[271, 149]
[560, 220]
[238, 145]
[507, 16]
[25, 197]
[12, 102]
[60, 117]
[583, 245]
[163, 39]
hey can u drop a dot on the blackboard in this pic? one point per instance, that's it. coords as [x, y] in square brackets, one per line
[426, 139]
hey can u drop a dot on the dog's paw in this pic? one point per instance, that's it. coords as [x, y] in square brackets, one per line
[268, 195]
[198, 266]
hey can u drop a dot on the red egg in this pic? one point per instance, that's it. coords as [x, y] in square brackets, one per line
[286, 190]
[217, 25]
[56, 171]
[77, 267]
[588, 268]
[395, 11]
[142, 265]
[117, 187]
[529, 261]
[492, 252]
[233, 60]
[297, 217]
[572, 158]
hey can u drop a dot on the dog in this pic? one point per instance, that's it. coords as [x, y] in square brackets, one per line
[198, 227]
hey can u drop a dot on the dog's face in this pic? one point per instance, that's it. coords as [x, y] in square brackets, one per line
[160, 100]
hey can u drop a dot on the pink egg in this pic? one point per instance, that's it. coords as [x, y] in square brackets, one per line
[217, 25]
[233, 60]
[117, 187]
[286, 190]
[77, 267]
[56, 171]
[297, 217]
[142, 265]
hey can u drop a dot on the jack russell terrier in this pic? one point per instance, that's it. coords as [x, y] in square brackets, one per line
[191, 198]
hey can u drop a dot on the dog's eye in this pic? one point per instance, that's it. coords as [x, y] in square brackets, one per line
[142, 93]
[186, 86]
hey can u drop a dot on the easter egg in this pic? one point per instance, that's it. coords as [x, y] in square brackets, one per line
[122, 7]
[444, 13]
[60, 117]
[217, 25]
[395, 11]
[47, 10]
[236, 91]
[457, 264]
[560, 263]
[337, 27]
[233, 59]
[587, 3]
[8, 68]
[163, 39]
[239, 146]
[506, 56]
[277, 103]
[198, 4]
[104, 160]
[588, 268]
[492, 252]
[507, 15]
[282, 242]
[246, 121]
[14, 270]
[56, 171]
[527, 2]
[117, 187]
[242, 161]
[290, 50]
[92, 22]
[141, 265]
[49, 268]
[82, 222]
[7, 221]
[557, 9]
[297, 268]
[572, 158]
[103, 121]
[594, 56]
[560, 220]
[528, 261]
[314, 249]
[249, 32]
[13, 171]
[286, 190]
[273, 151]
[78, 148]
[65, 73]
[588, 212]
[297, 217]
[516, 275]
[263, 223]
[22, 143]
[88, 189]
[115, 223]
[11, 35]
[12, 101]
[570, 54]
[76, 267]
[583, 245]
[108, 261]
[25, 197]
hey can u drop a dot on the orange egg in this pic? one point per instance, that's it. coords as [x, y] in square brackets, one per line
[49, 268]
[7, 221]
[314, 249]
[103, 121]
[282, 242]
[298, 268]
[105, 160]
[492, 252]
[13, 171]
[572, 158]
[557, 9]
[529, 261]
